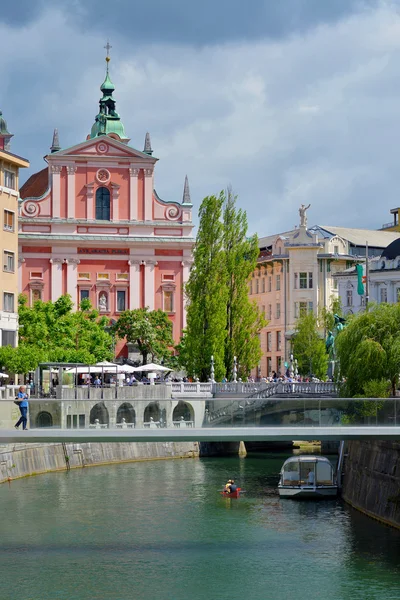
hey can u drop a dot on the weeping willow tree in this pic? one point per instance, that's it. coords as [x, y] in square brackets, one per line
[369, 351]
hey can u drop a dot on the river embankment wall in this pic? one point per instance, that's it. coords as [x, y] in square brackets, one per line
[22, 460]
[371, 481]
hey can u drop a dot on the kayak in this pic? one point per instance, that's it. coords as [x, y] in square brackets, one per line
[235, 494]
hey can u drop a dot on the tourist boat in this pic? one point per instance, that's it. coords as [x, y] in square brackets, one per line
[307, 477]
[235, 494]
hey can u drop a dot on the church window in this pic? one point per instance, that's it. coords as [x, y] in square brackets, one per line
[121, 295]
[36, 295]
[103, 204]
[84, 295]
[168, 301]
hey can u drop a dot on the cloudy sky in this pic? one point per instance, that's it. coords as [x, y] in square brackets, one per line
[288, 101]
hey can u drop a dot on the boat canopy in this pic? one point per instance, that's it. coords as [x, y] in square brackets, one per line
[303, 470]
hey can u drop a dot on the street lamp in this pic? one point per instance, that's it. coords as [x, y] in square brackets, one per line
[234, 369]
[212, 369]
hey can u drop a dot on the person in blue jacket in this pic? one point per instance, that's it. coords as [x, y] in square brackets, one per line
[23, 408]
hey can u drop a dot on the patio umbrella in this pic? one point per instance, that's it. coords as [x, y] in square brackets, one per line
[127, 369]
[3, 375]
[153, 367]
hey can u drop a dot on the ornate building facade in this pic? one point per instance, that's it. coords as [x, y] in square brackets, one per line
[297, 272]
[93, 226]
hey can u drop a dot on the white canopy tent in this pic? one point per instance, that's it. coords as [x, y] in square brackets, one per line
[100, 367]
[152, 367]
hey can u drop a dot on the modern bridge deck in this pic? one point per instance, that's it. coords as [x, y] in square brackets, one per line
[221, 434]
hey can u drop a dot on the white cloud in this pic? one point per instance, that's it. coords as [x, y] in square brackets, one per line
[312, 118]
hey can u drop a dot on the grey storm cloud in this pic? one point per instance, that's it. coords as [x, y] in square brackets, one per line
[180, 21]
[289, 102]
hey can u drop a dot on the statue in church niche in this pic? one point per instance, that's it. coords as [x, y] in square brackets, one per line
[103, 302]
[303, 216]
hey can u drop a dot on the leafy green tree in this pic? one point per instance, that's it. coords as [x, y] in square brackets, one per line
[150, 331]
[244, 319]
[54, 331]
[207, 295]
[369, 349]
[309, 347]
[21, 359]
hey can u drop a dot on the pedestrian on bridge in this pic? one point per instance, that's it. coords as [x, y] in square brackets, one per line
[23, 404]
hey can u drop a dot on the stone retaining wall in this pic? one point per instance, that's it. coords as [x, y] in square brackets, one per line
[21, 460]
[371, 481]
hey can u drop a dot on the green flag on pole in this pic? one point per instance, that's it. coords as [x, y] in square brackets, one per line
[360, 285]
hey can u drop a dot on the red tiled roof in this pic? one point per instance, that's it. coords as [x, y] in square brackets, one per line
[36, 185]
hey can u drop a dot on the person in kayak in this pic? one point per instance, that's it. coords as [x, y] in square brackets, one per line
[230, 486]
[233, 486]
[227, 488]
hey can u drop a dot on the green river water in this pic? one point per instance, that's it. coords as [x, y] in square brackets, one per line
[160, 530]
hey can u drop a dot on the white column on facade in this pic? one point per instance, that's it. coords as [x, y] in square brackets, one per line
[149, 283]
[71, 170]
[56, 278]
[21, 260]
[186, 264]
[134, 284]
[89, 201]
[115, 199]
[148, 194]
[72, 278]
[56, 190]
[133, 194]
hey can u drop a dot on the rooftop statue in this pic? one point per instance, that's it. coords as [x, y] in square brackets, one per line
[303, 216]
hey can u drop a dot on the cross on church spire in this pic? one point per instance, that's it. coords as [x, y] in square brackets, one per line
[108, 48]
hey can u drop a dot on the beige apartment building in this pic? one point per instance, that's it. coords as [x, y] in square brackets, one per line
[294, 275]
[9, 196]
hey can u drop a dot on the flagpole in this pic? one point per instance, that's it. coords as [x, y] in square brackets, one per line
[366, 277]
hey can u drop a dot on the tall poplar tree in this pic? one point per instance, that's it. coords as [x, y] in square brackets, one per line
[206, 293]
[244, 319]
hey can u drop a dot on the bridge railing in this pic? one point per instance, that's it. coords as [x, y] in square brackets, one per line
[196, 413]
[285, 387]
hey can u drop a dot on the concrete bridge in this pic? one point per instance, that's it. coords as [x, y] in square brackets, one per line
[200, 412]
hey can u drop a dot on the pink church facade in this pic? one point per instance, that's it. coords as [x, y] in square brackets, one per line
[91, 225]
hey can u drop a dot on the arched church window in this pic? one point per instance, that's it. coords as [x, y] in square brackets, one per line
[103, 204]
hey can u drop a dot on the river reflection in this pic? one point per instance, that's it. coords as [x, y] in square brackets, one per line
[161, 530]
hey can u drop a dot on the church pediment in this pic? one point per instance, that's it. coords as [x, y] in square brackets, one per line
[105, 146]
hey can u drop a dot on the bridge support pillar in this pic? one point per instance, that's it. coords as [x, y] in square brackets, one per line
[222, 449]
